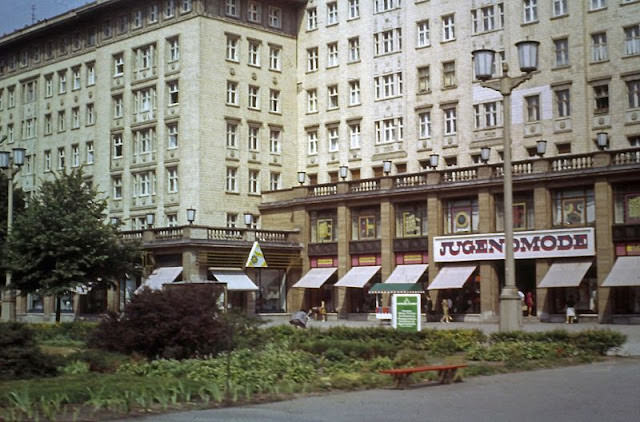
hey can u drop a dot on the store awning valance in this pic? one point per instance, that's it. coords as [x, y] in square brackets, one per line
[315, 278]
[452, 277]
[566, 274]
[358, 276]
[235, 280]
[625, 272]
[380, 288]
[407, 273]
[160, 276]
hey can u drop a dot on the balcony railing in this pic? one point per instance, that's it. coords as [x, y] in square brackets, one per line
[182, 233]
[579, 162]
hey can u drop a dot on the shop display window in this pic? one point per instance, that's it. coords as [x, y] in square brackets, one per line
[573, 207]
[411, 220]
[365, 224]
[522, 212]
[626, 205]
[323, 226]
[461, 216]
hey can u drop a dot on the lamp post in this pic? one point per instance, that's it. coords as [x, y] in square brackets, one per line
[510, 308]
[10, 165]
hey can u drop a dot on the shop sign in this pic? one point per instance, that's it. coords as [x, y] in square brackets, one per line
[324, 262]
[561, 243]
[411, 258]
[406, 312]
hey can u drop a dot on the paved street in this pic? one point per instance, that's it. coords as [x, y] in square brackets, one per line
[605, 391]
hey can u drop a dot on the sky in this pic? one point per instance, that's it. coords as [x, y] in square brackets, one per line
[15, 14]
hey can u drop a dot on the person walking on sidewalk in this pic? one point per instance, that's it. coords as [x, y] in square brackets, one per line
[446, 318]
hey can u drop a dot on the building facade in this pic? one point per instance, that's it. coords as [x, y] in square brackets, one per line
[214, 105]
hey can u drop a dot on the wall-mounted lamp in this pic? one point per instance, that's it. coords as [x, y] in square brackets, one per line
[541, 147]
[485, 152]
[433, 160]
[602, 140]
[149, 218]
[248, 219]
[344, 170]
[386, 167]
[191, 215]
[302, 176]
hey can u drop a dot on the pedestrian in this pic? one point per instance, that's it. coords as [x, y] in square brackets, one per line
[529, 301]
[446, 318]
[428, 304]
[571, 311]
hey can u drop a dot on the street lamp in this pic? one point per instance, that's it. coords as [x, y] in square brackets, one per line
[510, 309]
[343, 172]
[386, 167]
[485, 152]
[191, 215]
[10, 164]
[602, 140]
[302, 177]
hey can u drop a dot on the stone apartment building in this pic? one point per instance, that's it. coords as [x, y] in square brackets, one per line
[215, 105]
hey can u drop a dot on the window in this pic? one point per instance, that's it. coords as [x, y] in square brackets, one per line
[312, 59]
[30, 91]
[633, 90]
[231, 220]
[172, 220]
[254, 138]
[144, 57]
[123, 24]
[254, 97]
[597, 4]
[354, 93]
[461, 216]
[563, 103]
[231, 8]
[354, 9]
[334, 139]
[90, 152]
[91, 115]
[599, 47]
[144, 104]
[601, 95]
[47, 160]
[365, 224]
[424, 81]
[254, 12]
[62, 82]
[254, 53]
[354, 49]
[11, 94]
[152, 15]
[172, 180]
[274, 181]
[274, 101]
[118, 65]
[380, 6]
[107, 31]
[423, 34]
[484, 19]
[560, 8]
[450, 125]
[232, 134]
[632, 40]
[274, 141]
[312, 19]
[487, 115]
[61, 162]
[118, 109]
[388, 86]
[389, 130]
[48, 86]
[254, 181]
[232, 93]
[172, 136]
[75, 72]
[144, 184]
[231, 182]
[232, 48]
[47, 124]
[332, 54]
[411, 220]
[573, 207]
[137, 19]
[387, 42]
[562, 51]
[186, 6]
[170, 8]
[332, 13]
[116, 183]
[61, 121]
[449, 74]
[143, 145]
[332, 94]
[424, 125]
[172, 89]
[354, 135]
[29, 128]
[174, 49]
[448, 28]
[533, 108]
[275, 17]
[91, 74]
[312, 101]
[312, 142]
[274, 57]
[117, 145]
[529, 11]
[75, 156]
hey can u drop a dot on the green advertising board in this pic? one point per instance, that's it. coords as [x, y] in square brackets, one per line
[406, 312]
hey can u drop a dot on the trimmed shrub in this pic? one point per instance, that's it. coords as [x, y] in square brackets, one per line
[19, 354]
[99, 360]
[77, 331]
[598, 341]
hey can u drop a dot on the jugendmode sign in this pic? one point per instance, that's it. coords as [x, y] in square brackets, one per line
[533, 244]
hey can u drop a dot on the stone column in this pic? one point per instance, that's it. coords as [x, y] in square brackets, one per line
[434, 228]
[191, 270]
[605, 251]
[387, 220]
[344, 257]
[489, 284]
[542, 220]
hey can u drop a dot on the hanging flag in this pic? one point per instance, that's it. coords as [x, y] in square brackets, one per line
[256, 257]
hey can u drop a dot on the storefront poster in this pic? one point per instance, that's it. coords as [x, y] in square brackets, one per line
[573, 210]
[561, 243]
[325, 230]
[406, 312]
[632, 208]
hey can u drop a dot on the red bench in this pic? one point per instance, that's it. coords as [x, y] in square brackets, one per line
[401, 375]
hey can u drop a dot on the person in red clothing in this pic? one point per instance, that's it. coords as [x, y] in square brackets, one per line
[528, 300]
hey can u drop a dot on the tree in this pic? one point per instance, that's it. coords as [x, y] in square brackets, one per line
[61, 242]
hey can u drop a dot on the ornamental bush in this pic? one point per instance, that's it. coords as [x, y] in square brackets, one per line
[19, 354]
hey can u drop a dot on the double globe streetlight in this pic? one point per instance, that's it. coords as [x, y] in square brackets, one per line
[10, 164]
[510, 307]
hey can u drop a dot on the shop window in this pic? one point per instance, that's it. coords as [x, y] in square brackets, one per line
[411, 220]
[627, 205]
[66, 304]
[365, 224]
[461, 216]
[271, 296]
[35, 303]
[573, 207]
[522, 212]
[323, 226]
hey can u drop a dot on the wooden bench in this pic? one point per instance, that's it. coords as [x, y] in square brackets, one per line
[401, 375]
